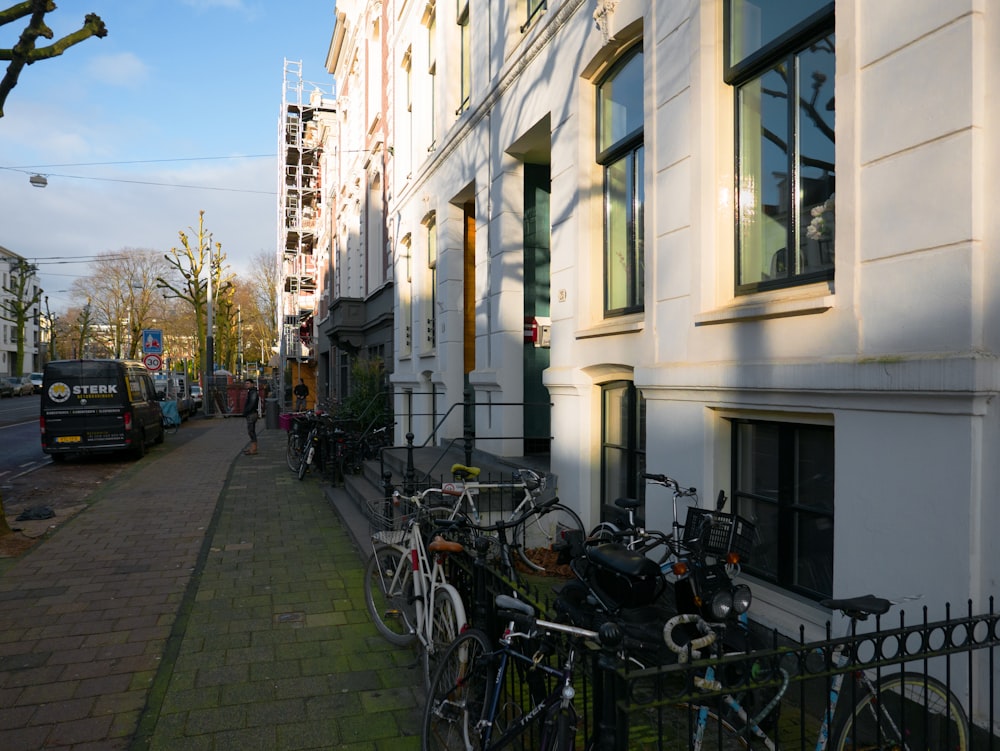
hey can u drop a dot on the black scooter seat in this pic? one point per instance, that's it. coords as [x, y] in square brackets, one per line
[618, 558]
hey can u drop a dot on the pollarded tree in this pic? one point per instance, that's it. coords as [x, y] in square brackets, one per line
[26, 51]
[193, 262]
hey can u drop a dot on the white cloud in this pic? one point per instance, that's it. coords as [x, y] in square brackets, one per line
[123, 69]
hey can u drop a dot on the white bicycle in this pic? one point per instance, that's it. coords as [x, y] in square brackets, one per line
[537, 540]
[406, 592]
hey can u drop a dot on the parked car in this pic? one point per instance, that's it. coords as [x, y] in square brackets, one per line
[196, 397]
[36, 382]
[6, 389]
[20, 385]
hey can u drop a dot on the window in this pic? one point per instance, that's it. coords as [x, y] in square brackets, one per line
[430, 337]
[405, 296]
[783, 477]
[620, 153]
[534, 9]
[623, 445]
[781, 61]
[466, 52]
[432, 76]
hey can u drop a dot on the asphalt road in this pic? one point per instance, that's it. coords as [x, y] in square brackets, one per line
[20, 445]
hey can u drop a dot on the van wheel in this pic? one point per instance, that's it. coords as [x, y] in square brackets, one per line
[139, 448]
[159, 436]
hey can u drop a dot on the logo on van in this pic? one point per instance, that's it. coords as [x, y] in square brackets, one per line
[59, 392]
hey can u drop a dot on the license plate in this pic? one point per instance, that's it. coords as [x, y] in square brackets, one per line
[68, 439]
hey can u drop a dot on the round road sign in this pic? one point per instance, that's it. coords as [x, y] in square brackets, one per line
[152, 362]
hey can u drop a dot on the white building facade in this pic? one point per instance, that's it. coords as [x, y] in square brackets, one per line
[19, 293]
[633, 174]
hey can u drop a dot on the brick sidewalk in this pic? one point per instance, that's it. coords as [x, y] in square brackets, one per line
[208, 600]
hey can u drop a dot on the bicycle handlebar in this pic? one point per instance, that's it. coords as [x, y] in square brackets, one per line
[693, 648]
[609, 636]
[669, 482]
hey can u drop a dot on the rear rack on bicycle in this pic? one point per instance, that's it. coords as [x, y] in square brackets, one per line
[718, 533]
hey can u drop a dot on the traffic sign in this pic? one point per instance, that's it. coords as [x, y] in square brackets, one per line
[152, 342]
[152, 362]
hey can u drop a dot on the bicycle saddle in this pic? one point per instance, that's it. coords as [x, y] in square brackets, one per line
[859, 607]
[461, 472]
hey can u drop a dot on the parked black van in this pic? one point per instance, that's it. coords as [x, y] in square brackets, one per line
[93, 406]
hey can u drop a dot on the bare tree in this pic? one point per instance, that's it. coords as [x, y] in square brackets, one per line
[27, 51]
[123, 297]
[190, 266]
[264, 277]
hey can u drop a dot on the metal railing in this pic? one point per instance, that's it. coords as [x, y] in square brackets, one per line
[622, 707]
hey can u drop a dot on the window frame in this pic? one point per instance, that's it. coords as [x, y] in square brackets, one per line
[627, 150]
[632, 449]
[785, 504]
[783, 49]
[465, 68]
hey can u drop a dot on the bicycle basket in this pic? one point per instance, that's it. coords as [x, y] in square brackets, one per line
[717, 533]
[389, 519]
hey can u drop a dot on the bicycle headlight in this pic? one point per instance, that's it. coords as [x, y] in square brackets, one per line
[721, 605]
[741, 599]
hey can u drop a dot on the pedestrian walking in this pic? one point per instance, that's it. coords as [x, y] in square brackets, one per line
[301, 392]
[250, 413]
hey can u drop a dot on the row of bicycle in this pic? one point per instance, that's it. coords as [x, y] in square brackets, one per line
[638, 597]
[319, 442]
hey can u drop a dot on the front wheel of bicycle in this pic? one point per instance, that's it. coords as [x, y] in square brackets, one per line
[447, 622]
[293, 454]
[389, 598]
[456, 698]
[540, 537]
[910, 710]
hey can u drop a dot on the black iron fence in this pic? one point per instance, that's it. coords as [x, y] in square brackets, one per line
[890, 683]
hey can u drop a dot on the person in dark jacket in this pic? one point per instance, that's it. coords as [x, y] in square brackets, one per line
[301, 392]
[250, 407]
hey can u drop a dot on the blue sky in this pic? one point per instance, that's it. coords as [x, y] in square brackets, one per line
[192, 89]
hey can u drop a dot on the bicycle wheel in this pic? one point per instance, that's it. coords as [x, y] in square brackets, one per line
[388, 588]
[535, 538]
[457, 694]
[560, 730]
[446, 624]
[604, 532]
[170, 426]
[293, 453]
[911, 711]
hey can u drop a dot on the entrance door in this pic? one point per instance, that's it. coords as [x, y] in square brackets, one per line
[537, 197]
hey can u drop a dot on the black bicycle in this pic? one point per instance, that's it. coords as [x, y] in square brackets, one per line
[470, 704]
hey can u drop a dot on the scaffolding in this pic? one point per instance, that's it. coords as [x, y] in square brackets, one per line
[299, 209]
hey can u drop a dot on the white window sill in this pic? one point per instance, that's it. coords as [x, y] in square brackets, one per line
[613, 326]
[759, 308]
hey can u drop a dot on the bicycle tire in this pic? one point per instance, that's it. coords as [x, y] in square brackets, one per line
[562, 732]
[456, 697]
[447, 623]
[604, 532]
[388, 587]
[540, 533]
[293, 452]
[919, 707]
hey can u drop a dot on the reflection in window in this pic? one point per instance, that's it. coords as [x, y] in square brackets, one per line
[621, 153]
[786, 175]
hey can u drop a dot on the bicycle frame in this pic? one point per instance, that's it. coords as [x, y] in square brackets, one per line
[428, 580]
[563, 694]
[839, 658]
